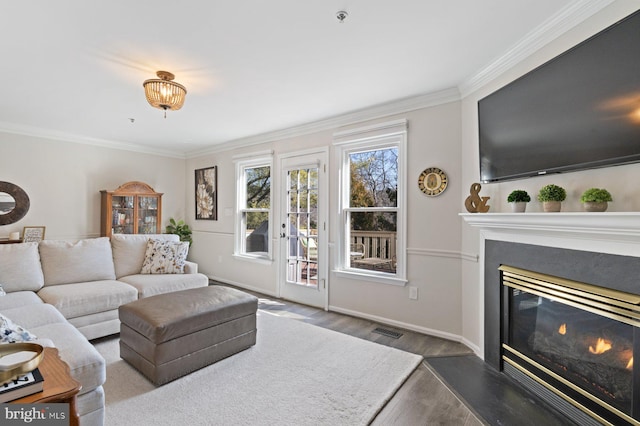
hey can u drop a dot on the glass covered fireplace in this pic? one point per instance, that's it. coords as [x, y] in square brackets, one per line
[576, 340]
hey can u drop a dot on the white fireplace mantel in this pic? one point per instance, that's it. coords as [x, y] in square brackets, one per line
[618, 223]
[614, 232]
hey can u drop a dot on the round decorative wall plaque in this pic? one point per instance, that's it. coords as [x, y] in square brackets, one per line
[432, 181]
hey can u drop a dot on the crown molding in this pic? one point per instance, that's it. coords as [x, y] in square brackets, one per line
[570, 16]
[377, 111]
[17, 129]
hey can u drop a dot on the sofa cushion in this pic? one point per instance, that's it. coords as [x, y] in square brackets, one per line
[86, 260]
[150, 285]
[20, 267]
[19, 299]
[129, 251]
[85, 362]
[35, 316]
[85, 298]
[12, 332]
[165, 257]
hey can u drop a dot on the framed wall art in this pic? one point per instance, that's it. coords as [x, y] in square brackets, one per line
[33, 234]
[207, 193]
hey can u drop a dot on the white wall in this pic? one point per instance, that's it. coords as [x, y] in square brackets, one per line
[63, 181]
[620, 181]
[433, 229]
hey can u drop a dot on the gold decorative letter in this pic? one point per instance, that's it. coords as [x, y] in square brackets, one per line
[474, 203]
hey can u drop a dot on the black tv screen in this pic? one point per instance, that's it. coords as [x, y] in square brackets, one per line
[578, 111]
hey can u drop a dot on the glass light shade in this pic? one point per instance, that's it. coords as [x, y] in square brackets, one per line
[163, 93]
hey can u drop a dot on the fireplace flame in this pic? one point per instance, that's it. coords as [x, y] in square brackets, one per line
[563, 329]
[601, 346]
[630, 364]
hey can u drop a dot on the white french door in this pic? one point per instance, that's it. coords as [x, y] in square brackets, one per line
[303, 228]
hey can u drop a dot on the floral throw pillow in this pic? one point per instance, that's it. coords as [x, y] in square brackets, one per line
[11, 332]
[165, 257]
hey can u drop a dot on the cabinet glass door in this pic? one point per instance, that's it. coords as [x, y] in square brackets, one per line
[147, 215]
[122, 215]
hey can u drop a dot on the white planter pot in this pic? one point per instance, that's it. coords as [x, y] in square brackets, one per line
[518, 207]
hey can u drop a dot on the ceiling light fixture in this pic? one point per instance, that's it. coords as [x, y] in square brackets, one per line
[163, 93]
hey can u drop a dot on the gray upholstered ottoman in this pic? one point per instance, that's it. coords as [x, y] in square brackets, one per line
[170, 335]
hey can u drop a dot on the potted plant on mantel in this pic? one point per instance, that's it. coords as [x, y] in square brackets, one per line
[552, 197]
[518, 199]
[595, 199]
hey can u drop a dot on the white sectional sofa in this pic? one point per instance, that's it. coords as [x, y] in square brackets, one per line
[69, 293]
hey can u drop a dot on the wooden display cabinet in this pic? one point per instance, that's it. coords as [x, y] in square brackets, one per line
[133, 208]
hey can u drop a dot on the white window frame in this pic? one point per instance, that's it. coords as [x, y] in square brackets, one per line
[380, 136]
[241, 209]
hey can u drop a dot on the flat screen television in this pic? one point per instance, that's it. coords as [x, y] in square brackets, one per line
[578, 111]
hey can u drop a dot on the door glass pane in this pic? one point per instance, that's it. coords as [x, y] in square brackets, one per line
[302, 261]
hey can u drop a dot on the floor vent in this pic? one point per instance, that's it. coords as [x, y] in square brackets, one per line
[387, 332]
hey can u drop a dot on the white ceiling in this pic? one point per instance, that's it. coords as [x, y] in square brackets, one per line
[73, 69]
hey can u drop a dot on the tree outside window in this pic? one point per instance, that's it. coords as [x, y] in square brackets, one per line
[254, 210]
[373, 209]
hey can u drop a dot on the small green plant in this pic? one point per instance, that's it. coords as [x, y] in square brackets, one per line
[181, 229]
[552, 192]
[518, 196]
[595, 195]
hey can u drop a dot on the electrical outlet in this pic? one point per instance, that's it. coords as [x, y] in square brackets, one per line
[413, 293]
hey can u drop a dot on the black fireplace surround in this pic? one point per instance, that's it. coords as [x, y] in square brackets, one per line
[616, 272]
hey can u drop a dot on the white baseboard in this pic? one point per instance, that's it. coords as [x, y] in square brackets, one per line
[242, 285]
[400, 324]
[475, 348]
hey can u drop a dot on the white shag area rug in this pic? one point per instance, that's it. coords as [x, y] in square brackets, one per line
[296, 374]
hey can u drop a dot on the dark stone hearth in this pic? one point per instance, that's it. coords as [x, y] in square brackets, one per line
[495, 397]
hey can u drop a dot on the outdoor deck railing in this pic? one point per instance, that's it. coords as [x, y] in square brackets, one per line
[376, 244]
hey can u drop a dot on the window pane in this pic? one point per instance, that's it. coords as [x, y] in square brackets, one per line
[293, 179]
[313, 179]
[258, 181]
[373, 240]
[257, 231]
[374, 178]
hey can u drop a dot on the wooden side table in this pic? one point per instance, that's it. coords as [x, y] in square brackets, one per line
[59, 386]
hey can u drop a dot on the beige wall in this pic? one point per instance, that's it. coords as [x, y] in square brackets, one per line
[433, 229]
[619, 180]
[64, 179]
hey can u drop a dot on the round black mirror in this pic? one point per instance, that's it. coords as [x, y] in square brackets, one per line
[14, 203]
